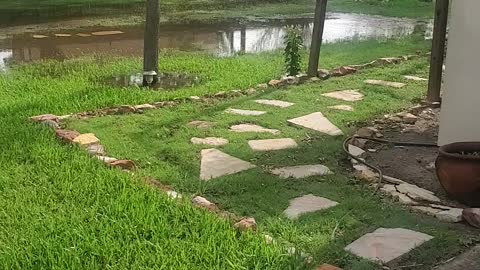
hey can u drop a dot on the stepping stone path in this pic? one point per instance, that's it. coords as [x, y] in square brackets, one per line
[276, 103]
[307, 204]
[415, 78]
[317, 122]
[63, 35]
[272, 144]
[385, 83]
[253, 128]
[215, 164]
[244, 112]
[211, 141]
[385, 245]
[346, 95]
[342, 107]
[302, 171]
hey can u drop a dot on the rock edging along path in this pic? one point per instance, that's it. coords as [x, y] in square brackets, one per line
[284, 81]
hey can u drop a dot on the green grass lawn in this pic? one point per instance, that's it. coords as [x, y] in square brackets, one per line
[159, 141]
[62, 209]
[203, 11]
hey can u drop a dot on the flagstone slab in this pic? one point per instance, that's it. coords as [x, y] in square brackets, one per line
[302, 171]
[276, 103]
[39, 36]
[342, 107]
[415, 78]
[107, 33]
[417, 193]
[253, 128]
[215, 164]
[211, 141]
[83, 35]
[245, 112]
[307, 204]
[63, 35]
[201, 124]
[317, 122]
[385, 245]
[385, 83]
[345, 95]
[272, 144]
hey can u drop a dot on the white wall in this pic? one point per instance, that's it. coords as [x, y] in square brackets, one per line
[460, 116]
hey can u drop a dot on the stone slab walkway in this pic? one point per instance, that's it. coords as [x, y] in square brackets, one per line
[253, 128]
[215, 164]
[385, 83]
[318, 122]
[276, 103]
[272, 144]
[245, 112]
[301, 171]
[385, 245]
[307, 204]
[345, 95]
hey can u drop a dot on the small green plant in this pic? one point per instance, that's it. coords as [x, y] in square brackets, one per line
[293, 45]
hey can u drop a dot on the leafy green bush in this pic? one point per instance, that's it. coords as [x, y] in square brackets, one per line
[293, 46]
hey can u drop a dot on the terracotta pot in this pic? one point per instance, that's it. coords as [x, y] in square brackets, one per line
[459, 173]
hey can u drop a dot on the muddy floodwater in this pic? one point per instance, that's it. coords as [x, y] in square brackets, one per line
[222, 40]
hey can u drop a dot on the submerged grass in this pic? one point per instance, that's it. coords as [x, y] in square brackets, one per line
[62, 209]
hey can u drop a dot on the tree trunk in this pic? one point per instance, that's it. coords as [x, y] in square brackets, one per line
[438, 50]
[150, 47]
[317, 36]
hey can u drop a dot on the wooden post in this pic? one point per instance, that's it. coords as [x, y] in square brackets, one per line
[317, 36]
[438, 50]
[151, 36]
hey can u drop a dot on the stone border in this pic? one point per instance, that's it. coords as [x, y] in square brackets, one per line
[272, 84]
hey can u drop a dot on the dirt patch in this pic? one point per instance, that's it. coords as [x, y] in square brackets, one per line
[415, 165]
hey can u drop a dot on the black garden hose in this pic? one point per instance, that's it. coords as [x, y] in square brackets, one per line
[380, 173]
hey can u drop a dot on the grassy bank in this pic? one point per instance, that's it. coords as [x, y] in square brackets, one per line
[62, 209]
[181, 11]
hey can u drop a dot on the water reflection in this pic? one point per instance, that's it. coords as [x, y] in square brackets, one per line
[222, 40]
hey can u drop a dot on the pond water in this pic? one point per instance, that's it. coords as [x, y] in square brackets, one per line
[166, 81]
[222, 40]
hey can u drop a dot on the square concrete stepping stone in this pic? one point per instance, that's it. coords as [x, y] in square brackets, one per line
[215, 163]
[415, 78]
[211, 141]
[346, 95]
[342, 107]
[253, 128]
[244, 112]
[276, 103]
[385, 83]
[302, 171]
[385, 245]
[272, 144]
[317, 122]
[307, 204]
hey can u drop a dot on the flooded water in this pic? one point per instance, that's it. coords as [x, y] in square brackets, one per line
[166, 81]
[222, 40]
